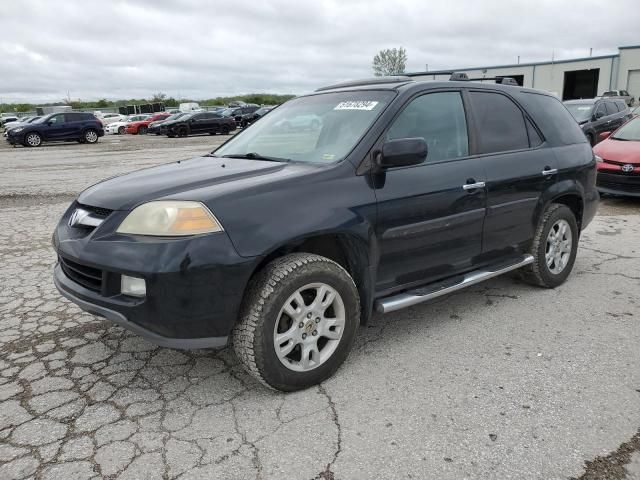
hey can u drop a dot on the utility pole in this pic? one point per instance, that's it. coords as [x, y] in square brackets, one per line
[518, 59]
[591, 52]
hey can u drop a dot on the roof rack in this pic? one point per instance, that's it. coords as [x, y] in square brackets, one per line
[367, 81]
[463, 77]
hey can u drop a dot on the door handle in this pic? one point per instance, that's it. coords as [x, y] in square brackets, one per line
[473, 186]
[549, 171]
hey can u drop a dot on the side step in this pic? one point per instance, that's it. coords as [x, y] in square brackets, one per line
[413, 297]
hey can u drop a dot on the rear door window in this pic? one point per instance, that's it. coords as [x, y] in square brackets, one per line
[611, 108]
[439, 118]
[500, 123]
[600, 111]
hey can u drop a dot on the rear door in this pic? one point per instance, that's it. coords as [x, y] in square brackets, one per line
[518, 170]
[601, 119]
[615, 118]
[198, 123]
[430, 215]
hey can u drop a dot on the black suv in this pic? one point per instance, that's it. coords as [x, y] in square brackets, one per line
[598, 115]
[238, 112]
[284, 243]
[82, 127]
[198, 123]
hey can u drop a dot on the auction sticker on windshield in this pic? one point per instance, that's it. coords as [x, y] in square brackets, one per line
[362, 105]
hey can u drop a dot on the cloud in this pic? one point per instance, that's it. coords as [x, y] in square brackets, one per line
[189, 48]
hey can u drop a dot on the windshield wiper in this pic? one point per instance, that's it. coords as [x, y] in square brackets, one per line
[621, 139]
[256, 156]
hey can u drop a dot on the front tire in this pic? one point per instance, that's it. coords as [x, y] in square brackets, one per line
[554, 247]
[121, 130]
[182, 132]
[33, 139]
[142, 130]
[297, 322]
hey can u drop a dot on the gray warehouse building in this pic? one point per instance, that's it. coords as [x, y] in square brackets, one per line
[568, 79]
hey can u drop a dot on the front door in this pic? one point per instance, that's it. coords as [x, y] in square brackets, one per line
[518, 170]
[57, 128]
[430, 216]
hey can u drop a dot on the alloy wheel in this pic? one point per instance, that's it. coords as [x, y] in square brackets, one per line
[309, 327]
[559, 243]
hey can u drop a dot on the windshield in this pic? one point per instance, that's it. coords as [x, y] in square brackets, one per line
[611, 93]
[317, 128]
[580, 111]
[629, 131]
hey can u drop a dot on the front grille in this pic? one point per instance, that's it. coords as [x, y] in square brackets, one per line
[88, 277]
[621, 182]
[98, 211]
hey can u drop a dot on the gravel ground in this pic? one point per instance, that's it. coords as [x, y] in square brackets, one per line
[501, 380]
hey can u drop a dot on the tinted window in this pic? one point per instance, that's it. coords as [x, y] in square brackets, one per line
[500, 122]
[73, 117]
[611, 107]
[621, 105]
[553, 119]
[438, 118]
[624, 93]
[600, 110]
[88, 116]
[56, 119]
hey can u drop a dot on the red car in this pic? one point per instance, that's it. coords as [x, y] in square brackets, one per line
[618, 157]
[141, 126]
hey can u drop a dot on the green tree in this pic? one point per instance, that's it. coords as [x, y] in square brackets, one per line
[102, 103]
[390, 61]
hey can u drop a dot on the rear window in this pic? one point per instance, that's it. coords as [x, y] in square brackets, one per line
[552, 118]
[500, 123]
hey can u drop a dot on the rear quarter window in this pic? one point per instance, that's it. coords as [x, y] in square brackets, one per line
[556, 123]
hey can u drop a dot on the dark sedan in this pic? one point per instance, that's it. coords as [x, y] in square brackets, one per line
[248, 118]
[198, 123]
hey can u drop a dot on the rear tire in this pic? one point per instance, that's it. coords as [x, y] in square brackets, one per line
[327, 318]
[142, 130]
[224, 130]
[121, 130]
[554, 253]
[182, 132]
[90, 136]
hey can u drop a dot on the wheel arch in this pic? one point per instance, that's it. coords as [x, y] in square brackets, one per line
[567, 193]
[346, 249]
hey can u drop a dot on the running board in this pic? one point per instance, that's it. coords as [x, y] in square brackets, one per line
[415, 296]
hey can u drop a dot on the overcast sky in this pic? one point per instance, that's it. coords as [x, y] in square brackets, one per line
[202, 49]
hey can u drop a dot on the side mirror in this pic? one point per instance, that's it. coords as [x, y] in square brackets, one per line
[604, 135]
[403, 152]
[49, 123]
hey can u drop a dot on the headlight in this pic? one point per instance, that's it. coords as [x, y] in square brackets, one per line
[16, 130]
[170, 218]
[598, 159]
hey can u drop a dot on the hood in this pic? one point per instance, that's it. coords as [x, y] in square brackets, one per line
[200, 179]
[619, 150]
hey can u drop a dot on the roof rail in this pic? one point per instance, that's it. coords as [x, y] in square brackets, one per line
[367, 81]
[499, 80]
[458, 76]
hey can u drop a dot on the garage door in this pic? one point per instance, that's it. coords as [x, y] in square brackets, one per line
[633, 83]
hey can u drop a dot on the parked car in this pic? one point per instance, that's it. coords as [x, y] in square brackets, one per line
[141, 126]
[299, 123]
[598, 115]
[158, 127]
[628, 99]
[237, 112]
[286, 244]
[120, 127]
[618, 157]
[22, 121]
[4, 119]
[107, 118]
[83, 127]
[197, 123]
[248, 118]
[635, 111]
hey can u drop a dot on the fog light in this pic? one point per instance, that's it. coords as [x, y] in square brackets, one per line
[133, 286]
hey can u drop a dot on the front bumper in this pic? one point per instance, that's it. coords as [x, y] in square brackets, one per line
[15, 138]
[614, 183]
[194, 285]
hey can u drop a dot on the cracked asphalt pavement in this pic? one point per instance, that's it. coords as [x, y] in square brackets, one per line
[502, 380]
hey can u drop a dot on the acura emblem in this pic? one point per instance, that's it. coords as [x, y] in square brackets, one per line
[627, 168]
